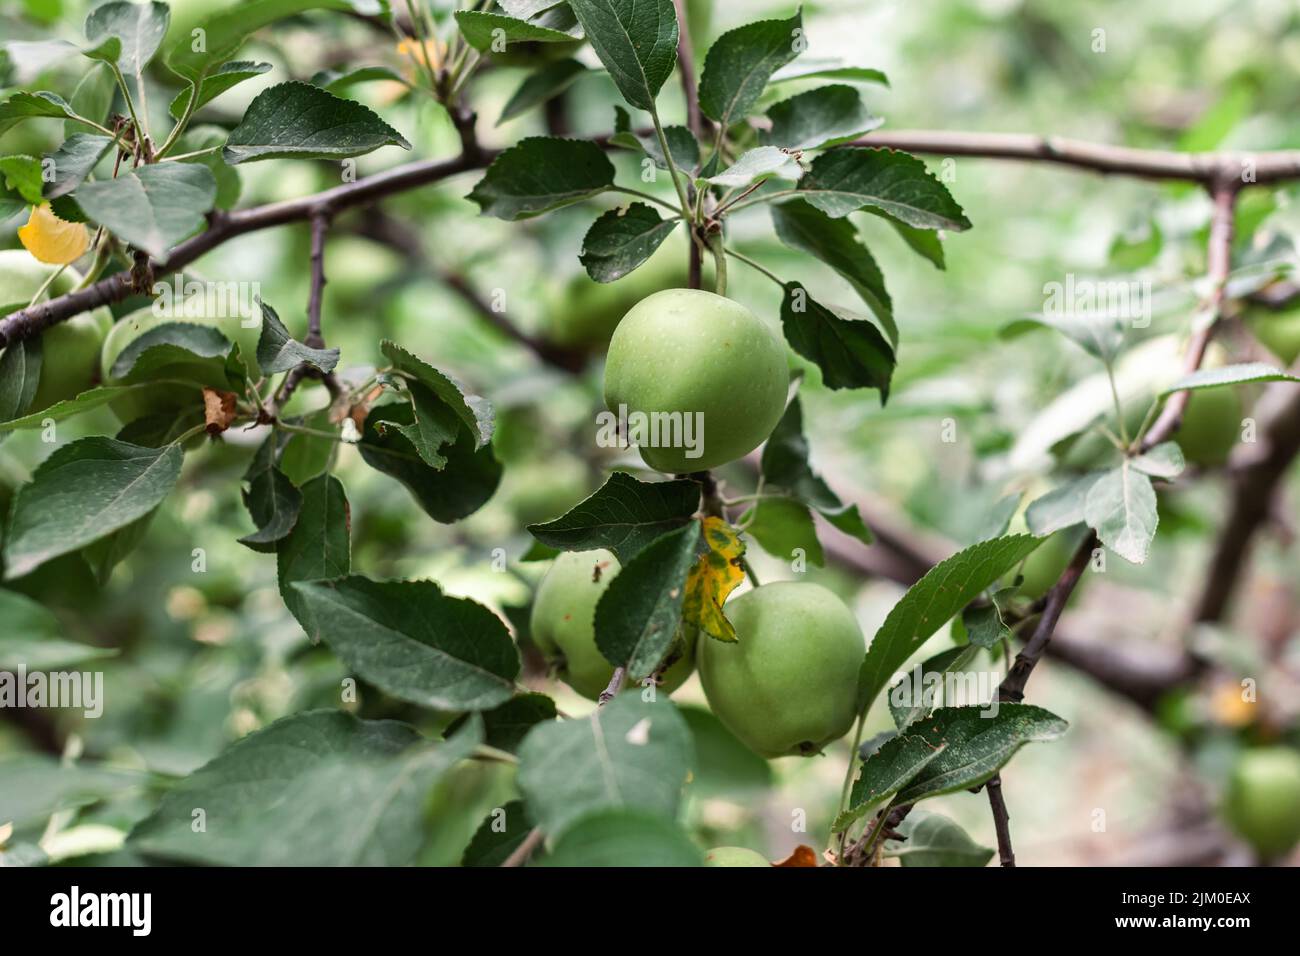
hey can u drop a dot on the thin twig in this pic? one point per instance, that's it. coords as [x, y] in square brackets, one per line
[522, 852]
[1001, 821]
[615, 685]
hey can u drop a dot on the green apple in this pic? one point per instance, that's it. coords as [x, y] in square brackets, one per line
[563, 623]
[541, 490]
[1278, 331]
[1262, 804]
[69, 349]
[708, 362]
[788, 685]
[734, 856]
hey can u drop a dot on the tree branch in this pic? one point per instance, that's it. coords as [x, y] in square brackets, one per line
[1001, 821]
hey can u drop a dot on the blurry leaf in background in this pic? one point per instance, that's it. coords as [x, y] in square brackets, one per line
[499, 835]
[934, 840]
[31, 638]
[782, 527]
[537, 88]
[723, 765]
[34, 787]
[625, 838]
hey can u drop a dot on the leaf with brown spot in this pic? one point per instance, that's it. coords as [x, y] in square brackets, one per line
[715, 575]
[803, 855]
[218, 410]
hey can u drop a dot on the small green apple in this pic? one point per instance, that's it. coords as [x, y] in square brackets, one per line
[700, 358]
[788, 684]
[734, 856]
[1262, 804]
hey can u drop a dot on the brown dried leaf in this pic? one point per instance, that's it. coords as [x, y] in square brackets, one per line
[218, 410]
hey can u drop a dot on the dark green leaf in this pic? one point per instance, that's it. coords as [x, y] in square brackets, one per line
[785, 467]
[542, 173]
[975, 745]
[546, 83]
[174, 349]
[924, 242]
[320, 788]
[818, 118]
[629, 753]
[929, 603]
[849, 349]
[108, 552]
[33, 788]
[723, 765]
[75, 160]
[216, 83]
[20, 373]
[274, 504]
[639, 613]
[318, 546]
[415, 643]
[85, 490]
[301, 121]
[86, 401]
[739, 64]
[139, 29]
[153, 207]
[844, 180]
[278, 351]
[885, 772]
[458, 489]
[480, 30]
[32, 639]
[835, 242]
[621, 239]
[636, 40]
[475, 417]
[782, 526]
[498, 836]
[24, 105]
[623, 516]
[505, 727]
[620, 838]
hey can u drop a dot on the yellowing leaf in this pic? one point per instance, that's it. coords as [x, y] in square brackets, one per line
[50, 239]
[427, 54]
[714, 576]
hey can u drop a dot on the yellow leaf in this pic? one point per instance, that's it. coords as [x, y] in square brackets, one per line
[428, 54]
[714, 576]
[50, 239]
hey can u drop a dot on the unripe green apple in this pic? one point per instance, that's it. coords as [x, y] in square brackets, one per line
[734, 856]
[1279, 331]
[1262, 804]
[542, 490]
[563, 623]
[788, 684]
[707, 361]
[69, 349]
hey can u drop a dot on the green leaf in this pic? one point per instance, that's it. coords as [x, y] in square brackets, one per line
[164, 427]
[337, 81]
[835, 242]
[842, 181]
[629, 753]
[278, 351]
[153, 207]
[20, 373]
[505, 727]
[139, 29]
[300, 121]
[823, 117]
[22, 106]
[739, 64]
[1100, 334]
[1230, 375]
[174, 350]
[33, 788]
[827, 68]
[84, 491]
[86, 401]
[723, 765]
[225, 32]
[1121, 508]
[217, 82]
[622, 838]
[984, 627]
[544, 84]
[75, 160]
[1060, 508]
[542, 173]
[623, 516]
[499, 835]
[924, 242]
[211, 138]
[783, 525]
[785, 468]
[934, 840]
[459, 488]
[1163, 461]
[23, 175]
[849, 349]
[415, 643]
[32, 639]
[755, 165]
[476, 418]
[905, 705]
[885, 772]
[621, 239]
[480, 30]
[636, 40]
[320, 788]
[306, 456]
[636, 620]
[975, 745]
[318, 546]
[105, 554]
[274, 504]
[931, 602]
[92, 98]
